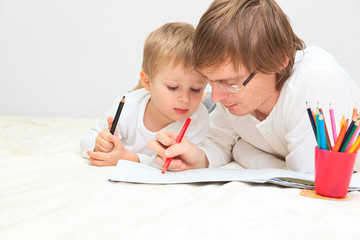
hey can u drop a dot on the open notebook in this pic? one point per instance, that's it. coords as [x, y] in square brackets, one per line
[127, 171]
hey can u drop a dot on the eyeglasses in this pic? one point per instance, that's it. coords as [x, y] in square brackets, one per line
[234, 88]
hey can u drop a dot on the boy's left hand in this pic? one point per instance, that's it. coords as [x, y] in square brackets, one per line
[111, 158]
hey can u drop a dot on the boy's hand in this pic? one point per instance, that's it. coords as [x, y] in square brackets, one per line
[111, 158]
[103, 142]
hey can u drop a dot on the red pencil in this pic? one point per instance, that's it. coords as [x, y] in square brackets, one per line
[178, 140]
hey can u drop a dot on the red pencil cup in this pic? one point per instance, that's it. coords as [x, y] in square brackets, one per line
[333, 172]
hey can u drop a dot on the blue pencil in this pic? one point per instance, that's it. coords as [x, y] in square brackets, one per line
[322, 132]
[318, 128]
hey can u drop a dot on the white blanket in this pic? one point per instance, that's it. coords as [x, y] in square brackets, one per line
[48, 191]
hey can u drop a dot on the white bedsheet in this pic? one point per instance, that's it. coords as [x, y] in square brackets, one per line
[48, 191]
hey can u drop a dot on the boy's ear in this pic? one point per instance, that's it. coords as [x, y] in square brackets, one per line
[145, 80]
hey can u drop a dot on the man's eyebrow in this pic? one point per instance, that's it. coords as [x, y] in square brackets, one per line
[237, 77]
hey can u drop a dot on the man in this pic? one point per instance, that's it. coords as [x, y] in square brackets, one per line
[261, 76]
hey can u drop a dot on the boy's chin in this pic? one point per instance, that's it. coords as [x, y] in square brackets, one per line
[181, 117]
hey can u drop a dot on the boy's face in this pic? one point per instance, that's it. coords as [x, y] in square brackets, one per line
[175, 93]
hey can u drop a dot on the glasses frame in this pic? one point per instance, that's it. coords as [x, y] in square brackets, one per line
[233, 88]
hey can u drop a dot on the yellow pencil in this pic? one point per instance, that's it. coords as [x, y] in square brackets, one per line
[342, 121]
[356, 143]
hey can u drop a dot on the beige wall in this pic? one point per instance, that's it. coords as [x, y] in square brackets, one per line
[72, 58]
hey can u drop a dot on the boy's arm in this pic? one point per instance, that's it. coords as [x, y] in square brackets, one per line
[87, 142]
[111, 158]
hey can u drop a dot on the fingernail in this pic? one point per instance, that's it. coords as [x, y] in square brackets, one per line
[168, 152]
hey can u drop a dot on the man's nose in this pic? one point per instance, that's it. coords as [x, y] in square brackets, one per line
[218, 93]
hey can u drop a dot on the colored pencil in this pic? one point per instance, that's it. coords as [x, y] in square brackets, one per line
[333, 125]
[322, 132]
[117, 115]
[314, 116]
[312, 121]
[326, 131]
[178, 140]
[355, 109]
[355, 145]
[318, 129]
[348, 138]
[357, 148]
[341, 149]
[341, 136]
[356, 133]
[342, 121]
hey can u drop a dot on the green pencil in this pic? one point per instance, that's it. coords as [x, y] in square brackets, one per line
[348, 138]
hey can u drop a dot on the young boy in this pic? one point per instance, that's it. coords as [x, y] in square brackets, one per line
[172, 92]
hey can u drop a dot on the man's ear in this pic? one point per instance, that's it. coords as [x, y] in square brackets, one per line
[145, 80]
[285, 62]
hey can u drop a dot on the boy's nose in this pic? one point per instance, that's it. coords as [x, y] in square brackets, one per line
[184, 97]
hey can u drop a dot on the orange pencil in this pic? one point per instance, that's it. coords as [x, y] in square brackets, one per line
[355, 109]
[178, 140]
[353, 137]
[314, 115]
[341, 136]
[357, 148]
[348, 135]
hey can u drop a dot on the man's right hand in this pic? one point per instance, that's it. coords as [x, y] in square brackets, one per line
[185, 154]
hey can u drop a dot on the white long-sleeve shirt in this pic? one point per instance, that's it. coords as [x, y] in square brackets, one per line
[285, 139]
[132, 131]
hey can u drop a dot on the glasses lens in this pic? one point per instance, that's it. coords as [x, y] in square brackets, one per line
[231, 88]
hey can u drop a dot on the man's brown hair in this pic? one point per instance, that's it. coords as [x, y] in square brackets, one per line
[254, 33]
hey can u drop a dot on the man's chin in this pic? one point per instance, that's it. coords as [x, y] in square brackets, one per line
[236, 112]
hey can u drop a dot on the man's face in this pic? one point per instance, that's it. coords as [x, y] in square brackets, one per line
[258, 96]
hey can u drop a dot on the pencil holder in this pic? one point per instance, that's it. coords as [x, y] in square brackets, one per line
[333, 172]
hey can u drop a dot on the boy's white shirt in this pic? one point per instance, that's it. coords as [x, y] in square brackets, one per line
[132, 131]
[285, 139]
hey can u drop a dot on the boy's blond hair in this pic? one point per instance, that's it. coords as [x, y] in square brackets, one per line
[170, 43]
[254, 33]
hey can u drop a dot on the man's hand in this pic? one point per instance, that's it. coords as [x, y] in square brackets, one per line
[185, 154]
